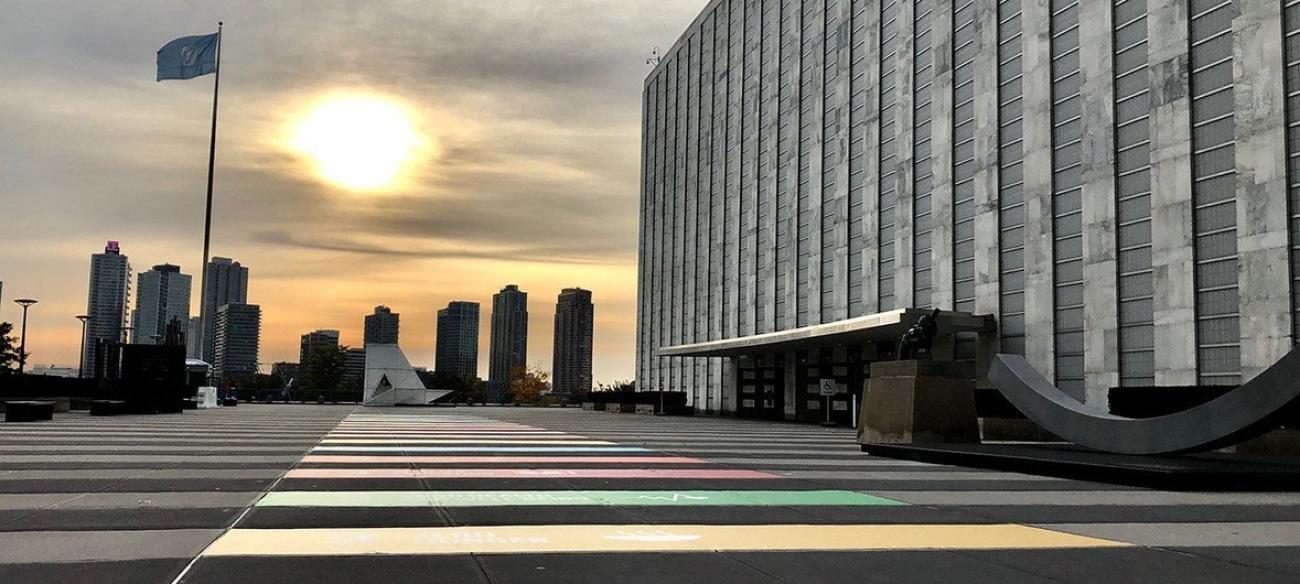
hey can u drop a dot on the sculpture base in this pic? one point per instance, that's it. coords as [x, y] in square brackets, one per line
[919, 401]
[1202, 472]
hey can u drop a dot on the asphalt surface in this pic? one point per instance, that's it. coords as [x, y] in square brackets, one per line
[274, 493]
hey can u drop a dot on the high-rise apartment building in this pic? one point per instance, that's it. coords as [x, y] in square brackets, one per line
[509, 343]
[312, 342]
[457, 347]
[238, 334]
[571, 362]
[110, 292]
[227, 283]
[161, 295]
[381, 326]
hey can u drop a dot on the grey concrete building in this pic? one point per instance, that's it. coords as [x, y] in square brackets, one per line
[381, 326]
[509, 344]
[1112, 184]
[227, 283]
[457, 346]
[161, 295]
[571, 353]
[238, 335]
[109, 296]
[354, 369]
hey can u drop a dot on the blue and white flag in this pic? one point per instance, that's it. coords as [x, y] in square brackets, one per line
[188, 57]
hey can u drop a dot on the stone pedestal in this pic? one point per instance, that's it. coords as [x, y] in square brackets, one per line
[919, 401]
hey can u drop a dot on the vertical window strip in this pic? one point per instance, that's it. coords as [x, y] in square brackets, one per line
[748, 157]
[1011, 199]
[717, 193]
[888, 151]
[1291, 48]
[1067, 216]
[857, 162]
[731, 198]
[767, 70]
[1133, 194]
[1214, 217]
[787, 194]
[922, 172]
[812, 24]
[830, 151]
[963, 154]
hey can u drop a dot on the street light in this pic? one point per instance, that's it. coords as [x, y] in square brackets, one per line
[22, 345]
[81, 360]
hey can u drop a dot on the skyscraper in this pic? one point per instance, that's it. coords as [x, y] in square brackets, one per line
[161, 294]
[457, 351]
[110, 291]
[381, 327]
[572, 353]
[238, 334]
[227, 283]
[509, 348]
[312, 342]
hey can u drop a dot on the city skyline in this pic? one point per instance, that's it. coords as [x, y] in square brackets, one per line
[516, 191]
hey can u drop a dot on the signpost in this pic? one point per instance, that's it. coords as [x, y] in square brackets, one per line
[827, 386]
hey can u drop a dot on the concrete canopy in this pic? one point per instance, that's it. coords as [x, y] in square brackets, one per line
[391, 381]
[883, 326]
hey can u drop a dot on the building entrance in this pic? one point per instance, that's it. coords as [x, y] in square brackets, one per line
[761, 387]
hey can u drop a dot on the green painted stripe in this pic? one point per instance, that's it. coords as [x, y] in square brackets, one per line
[567, 498]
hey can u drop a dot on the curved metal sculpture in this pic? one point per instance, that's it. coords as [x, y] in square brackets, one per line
[1240, 414]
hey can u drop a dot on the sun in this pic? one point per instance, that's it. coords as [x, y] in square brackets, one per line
[358, 142]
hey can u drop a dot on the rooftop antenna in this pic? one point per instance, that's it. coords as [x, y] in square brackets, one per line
[654, 58]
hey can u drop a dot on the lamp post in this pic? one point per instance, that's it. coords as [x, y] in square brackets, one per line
[22, 345]
[81, 360]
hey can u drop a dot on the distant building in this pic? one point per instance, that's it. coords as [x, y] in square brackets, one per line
[354, 368]
[193, 344]
[53, 371]
[381, 327]
[572, 349]
[285, 370]
[509, 347]
[312, 342]
[227, 283]
[238, 332]
[110, 291]
[457, 351]
[161, 294]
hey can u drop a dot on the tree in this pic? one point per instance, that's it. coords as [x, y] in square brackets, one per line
[326, 368]
[527, 384]
[622, 386]
[8, 349]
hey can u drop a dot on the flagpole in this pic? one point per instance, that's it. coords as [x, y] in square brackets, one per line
[207, 218]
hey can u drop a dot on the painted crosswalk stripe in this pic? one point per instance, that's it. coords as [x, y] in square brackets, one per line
[524, 473]
[353, 459]
[463, 441]
[640, 538]
[569, 498]
[368, 448]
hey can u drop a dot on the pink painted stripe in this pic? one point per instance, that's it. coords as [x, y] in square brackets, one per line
[525, 473]
[457, 435]
[359, 459]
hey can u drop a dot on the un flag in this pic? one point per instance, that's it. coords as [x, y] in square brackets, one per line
[188, 57]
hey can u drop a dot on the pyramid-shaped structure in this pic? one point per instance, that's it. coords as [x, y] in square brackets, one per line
[391, 381]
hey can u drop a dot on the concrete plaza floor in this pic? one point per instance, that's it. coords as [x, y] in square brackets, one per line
[272, 493]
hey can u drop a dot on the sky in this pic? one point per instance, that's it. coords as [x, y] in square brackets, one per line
[528, 120]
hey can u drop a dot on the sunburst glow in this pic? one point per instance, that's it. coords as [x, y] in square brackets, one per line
[358, 142]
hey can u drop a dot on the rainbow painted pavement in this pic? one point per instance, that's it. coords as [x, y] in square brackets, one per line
[307, 493]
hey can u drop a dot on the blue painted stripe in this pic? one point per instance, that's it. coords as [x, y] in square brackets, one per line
[480, 449]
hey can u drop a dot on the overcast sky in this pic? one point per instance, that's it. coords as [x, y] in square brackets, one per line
[532, 107]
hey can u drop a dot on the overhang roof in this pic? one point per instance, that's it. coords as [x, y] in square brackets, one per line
[882, 326]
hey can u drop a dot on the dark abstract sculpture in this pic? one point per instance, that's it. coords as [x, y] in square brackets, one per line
[1243, 413]
[918, 340]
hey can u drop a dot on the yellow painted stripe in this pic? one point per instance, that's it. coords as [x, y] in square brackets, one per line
[639, 538]
[458, 441]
